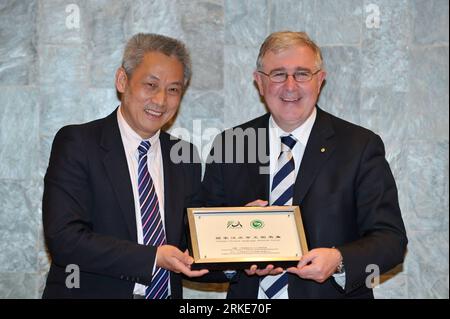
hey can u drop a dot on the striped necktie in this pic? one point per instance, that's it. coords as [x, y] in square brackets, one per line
[152, 227]
[282, 192]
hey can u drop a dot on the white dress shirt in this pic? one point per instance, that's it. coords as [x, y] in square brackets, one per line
[131, 141]
[301, 134]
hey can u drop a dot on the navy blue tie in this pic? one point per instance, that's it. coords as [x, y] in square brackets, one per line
[282, 190]
[152, 227]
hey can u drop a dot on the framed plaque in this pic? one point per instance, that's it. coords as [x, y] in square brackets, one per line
[238, 237]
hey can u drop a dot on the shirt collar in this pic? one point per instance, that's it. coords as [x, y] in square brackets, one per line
[301, 133]
[130, 138]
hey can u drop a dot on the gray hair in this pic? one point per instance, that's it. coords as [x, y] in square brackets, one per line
[142, 43]
[282, 40]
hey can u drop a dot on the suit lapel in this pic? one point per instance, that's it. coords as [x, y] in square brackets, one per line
[170, 174]
[117, 170]
[319, 148]
[259, 173]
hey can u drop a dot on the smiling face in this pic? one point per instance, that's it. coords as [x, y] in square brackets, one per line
[152, 94]
[290, 102]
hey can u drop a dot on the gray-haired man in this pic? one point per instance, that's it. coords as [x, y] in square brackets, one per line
[334, 170]
[114, 201]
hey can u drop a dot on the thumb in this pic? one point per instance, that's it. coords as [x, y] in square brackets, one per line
[178, 254]
[306, 259]
[186, 258]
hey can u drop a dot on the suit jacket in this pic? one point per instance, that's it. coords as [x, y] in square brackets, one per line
[89, 213]
[347, 197]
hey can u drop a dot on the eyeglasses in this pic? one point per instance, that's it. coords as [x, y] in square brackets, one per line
[299, 76]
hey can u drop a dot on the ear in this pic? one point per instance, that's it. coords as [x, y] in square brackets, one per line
[257, 77]
[321, 77]
[121, 80]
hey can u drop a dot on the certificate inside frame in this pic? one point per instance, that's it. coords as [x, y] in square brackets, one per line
[238, 237]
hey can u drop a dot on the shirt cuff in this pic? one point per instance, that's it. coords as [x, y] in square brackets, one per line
[229, 273]
[340, 279]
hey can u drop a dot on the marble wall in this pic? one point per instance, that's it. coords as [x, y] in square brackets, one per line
[387, 64]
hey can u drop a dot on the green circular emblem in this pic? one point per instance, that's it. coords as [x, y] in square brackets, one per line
[257, 223]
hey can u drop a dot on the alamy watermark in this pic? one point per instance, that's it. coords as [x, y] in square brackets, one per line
[373, 18]
[73, 16]
[73, 279]
[373, 279]
[237, 145]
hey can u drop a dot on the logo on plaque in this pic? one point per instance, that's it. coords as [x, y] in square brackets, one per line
[257, 224]
[234, 224]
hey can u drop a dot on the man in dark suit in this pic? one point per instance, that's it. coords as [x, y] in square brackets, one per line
[114, 198]
[334, 170]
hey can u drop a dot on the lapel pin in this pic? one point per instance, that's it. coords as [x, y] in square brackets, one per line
[322, 150]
